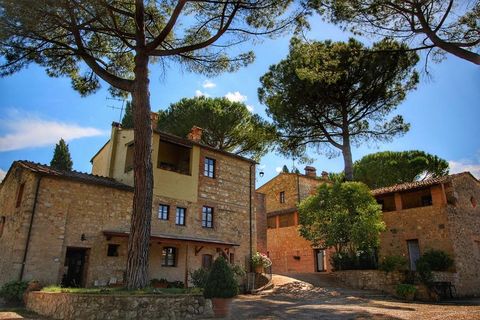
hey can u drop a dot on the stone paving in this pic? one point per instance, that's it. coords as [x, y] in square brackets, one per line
[319, 296]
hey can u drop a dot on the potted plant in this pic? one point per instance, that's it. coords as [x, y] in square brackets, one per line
[260, 261]
[221, 287]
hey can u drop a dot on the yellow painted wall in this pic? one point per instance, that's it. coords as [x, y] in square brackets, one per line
[166, 183]
[101, 161]
[173, 184]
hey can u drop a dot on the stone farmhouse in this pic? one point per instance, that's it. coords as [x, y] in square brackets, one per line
[72, 228]
[440, 213]
[289, 251]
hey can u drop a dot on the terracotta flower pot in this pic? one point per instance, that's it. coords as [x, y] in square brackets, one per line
[258, 269]
[221, 307]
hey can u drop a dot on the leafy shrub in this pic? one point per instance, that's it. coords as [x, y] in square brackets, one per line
[424, 271]
[361, 260]
[199, 277]
[176, 284]
[221, 282]
[13, 291]
[159, 282]
[438, 260]
[403, 290]
[393, 263]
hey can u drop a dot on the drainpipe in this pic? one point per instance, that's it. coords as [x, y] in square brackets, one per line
[29, 234]
[250, 215]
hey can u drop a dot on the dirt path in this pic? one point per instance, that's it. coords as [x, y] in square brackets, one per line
[319, 296]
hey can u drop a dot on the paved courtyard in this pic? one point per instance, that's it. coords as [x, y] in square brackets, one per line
[319, 296]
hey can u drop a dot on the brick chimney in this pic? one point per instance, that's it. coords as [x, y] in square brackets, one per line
[154, 119]
[324, 175]
[310, 171]
[195, 134]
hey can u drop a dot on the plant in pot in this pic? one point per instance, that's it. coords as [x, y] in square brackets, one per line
[260, 261]
[221, 286]
[406, 291]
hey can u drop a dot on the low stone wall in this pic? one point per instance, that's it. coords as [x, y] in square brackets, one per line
[371, 279]
[96, 307]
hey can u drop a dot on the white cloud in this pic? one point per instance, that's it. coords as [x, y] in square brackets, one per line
[207, 84]
[278, 169]
[199, 93]
[3, 173]
[29, 132]
[236, 97]
[461, 166]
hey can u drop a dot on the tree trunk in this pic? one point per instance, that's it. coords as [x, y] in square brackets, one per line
[138, 241]
[137, 261]
[347, 158]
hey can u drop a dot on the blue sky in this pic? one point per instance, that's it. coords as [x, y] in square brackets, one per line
[36, 111]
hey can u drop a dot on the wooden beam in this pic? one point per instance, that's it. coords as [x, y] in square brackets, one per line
[198, 249]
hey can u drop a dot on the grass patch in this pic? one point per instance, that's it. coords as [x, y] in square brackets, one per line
[123, 291]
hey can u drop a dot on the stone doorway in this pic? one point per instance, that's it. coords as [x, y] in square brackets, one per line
[75, 267]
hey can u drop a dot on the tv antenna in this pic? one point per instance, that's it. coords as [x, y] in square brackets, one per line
[117, 108]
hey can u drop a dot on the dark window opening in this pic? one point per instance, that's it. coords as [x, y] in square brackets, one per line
[113, 250]
[163, 210]
[282, 197]
[129, 158]
[286, 220]
[20, 195]
[180, 216]
[232, 258]
[2, 225]
[417, 198]
[209, 169]
[173, 157]
[207, 217]
[473, 201]
[169, 256]
[387, 202]
[207, 260]
[271, 222]
[426, 200]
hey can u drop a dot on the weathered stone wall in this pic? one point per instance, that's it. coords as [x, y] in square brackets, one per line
[284, 182]
[427, 224]
[290, 252]
[67, 209]
[99, 307]
[371, 279]
[261, 222]
[464, 227]
[17, 219]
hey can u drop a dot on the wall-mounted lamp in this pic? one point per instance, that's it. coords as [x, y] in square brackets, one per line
[82, 237]
[261, 174]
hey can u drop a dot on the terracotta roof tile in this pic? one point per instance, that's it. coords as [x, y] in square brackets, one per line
[71, 175]
[418, 184]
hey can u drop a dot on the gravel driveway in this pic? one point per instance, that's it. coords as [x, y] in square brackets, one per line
[319, 296]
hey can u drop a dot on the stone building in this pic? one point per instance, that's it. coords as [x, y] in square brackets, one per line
[71, 227]
[289, 251]
[441, 214]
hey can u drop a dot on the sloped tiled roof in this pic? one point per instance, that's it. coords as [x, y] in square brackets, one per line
[418, 184]
[71, 175]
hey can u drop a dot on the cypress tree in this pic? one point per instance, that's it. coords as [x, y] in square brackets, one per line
[61, 157]
[285, 169]
[127, 120]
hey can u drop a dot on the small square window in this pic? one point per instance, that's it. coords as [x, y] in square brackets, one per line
[163, 210]
[426, 201]
[207, 217]
[169, 256]
[113, 250]
[207, 260]
[209, 170]
[180, 216]
[282, 197]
